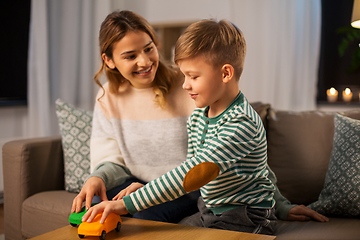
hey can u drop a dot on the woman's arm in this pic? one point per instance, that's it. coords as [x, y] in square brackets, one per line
[111, 173]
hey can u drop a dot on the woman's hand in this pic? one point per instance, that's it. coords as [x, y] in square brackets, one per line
[93, 186]
[131, 188]
[302, 213]
[105, 208]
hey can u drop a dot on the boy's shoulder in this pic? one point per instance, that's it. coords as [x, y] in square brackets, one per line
[242, 109]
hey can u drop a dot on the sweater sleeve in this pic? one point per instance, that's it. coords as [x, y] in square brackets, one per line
[103, 144]
[112, 174]
[282, 204]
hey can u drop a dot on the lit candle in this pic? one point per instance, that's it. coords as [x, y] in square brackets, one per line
[347, 95]
[332, 95]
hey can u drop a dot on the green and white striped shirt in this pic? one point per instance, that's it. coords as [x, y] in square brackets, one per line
[235, 141]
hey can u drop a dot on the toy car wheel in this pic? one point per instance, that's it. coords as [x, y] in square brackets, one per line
[73, 224]
[118, 227]
[81, 236]
[103, 235]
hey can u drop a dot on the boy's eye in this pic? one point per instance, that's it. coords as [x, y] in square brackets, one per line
[194, 78]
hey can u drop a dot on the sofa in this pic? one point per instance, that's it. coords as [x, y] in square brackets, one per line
[300, 146]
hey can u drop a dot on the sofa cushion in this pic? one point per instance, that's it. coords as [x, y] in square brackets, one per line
[261, 109]
[341, 193]
[299, 149]
[337, 228]
[46, 211]
[75, 129]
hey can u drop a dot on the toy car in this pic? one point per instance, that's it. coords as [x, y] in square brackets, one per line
[75, 218]
[95, 228]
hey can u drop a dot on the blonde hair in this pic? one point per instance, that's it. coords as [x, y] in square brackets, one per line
[115, 26]
[220, 42]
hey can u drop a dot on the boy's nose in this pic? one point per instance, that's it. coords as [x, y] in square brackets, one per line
[186, 85]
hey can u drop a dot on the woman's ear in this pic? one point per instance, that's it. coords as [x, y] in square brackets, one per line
[227, 72]
[108, 61]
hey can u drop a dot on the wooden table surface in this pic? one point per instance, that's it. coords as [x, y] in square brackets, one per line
[143, 229]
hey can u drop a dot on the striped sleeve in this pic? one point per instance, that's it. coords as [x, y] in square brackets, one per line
[235, 139]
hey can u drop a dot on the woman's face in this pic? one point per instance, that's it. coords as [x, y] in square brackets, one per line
[136, 57]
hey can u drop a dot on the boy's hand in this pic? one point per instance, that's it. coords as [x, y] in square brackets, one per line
[302, 213]
[105, 208]
[131, 188]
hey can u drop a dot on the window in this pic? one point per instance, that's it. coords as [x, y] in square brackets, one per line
[14, 32]
[334, 70]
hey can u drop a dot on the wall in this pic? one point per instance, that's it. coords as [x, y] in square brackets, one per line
[164, 11]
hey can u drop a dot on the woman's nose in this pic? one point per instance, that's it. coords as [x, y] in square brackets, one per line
[144, 60]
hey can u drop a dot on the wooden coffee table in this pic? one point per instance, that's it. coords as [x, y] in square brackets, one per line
[143, 229]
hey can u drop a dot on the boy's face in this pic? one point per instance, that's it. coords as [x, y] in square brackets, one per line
[203, 81]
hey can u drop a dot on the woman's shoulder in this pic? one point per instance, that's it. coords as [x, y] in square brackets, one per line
[105, 91]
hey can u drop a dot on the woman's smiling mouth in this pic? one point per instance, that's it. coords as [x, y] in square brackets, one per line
[144, 72]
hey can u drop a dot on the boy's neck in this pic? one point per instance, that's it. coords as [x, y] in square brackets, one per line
[220, 106]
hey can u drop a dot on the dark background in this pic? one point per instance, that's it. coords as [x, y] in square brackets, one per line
[14, 38]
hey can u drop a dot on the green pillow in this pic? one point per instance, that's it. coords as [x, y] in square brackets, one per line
[75, 129]
[341, 193]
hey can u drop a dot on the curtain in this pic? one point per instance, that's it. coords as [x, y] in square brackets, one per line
[63, 58]
[283, 44]
[282, 38]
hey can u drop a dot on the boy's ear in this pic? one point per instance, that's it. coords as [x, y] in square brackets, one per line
[108, 61]
[227, 72]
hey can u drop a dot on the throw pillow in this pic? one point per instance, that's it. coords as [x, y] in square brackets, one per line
[75, 129]
[341, 193]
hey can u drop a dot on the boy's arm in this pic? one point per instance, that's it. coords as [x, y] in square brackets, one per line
[282, 204]
[286, 211]
[200, 168]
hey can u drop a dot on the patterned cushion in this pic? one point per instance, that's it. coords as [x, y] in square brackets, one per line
[341, 193]
[75, 129]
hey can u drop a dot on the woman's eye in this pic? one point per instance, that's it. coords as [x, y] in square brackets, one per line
[148, 49]
[130, 57]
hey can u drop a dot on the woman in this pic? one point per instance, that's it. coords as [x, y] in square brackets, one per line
[139, 125]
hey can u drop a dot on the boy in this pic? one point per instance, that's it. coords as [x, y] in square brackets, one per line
[227, 147]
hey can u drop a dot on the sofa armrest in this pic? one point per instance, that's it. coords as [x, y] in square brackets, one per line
[30, 166]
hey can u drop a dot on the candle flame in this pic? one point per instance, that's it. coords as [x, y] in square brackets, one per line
[347, 91]
[332, 91]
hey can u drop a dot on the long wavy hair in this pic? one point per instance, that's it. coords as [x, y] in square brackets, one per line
[113, 29]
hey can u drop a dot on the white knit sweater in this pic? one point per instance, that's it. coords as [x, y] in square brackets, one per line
[129, 129]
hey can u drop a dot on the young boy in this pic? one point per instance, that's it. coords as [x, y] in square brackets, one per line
[227, 150]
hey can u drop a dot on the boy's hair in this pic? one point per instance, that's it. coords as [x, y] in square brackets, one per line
[220, 42]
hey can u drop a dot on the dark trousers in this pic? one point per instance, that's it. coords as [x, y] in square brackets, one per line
[171, 212]
[242, 219]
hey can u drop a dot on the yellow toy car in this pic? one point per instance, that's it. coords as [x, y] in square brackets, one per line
[95, 228]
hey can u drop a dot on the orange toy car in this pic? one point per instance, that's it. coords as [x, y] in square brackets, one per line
[95, 228]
